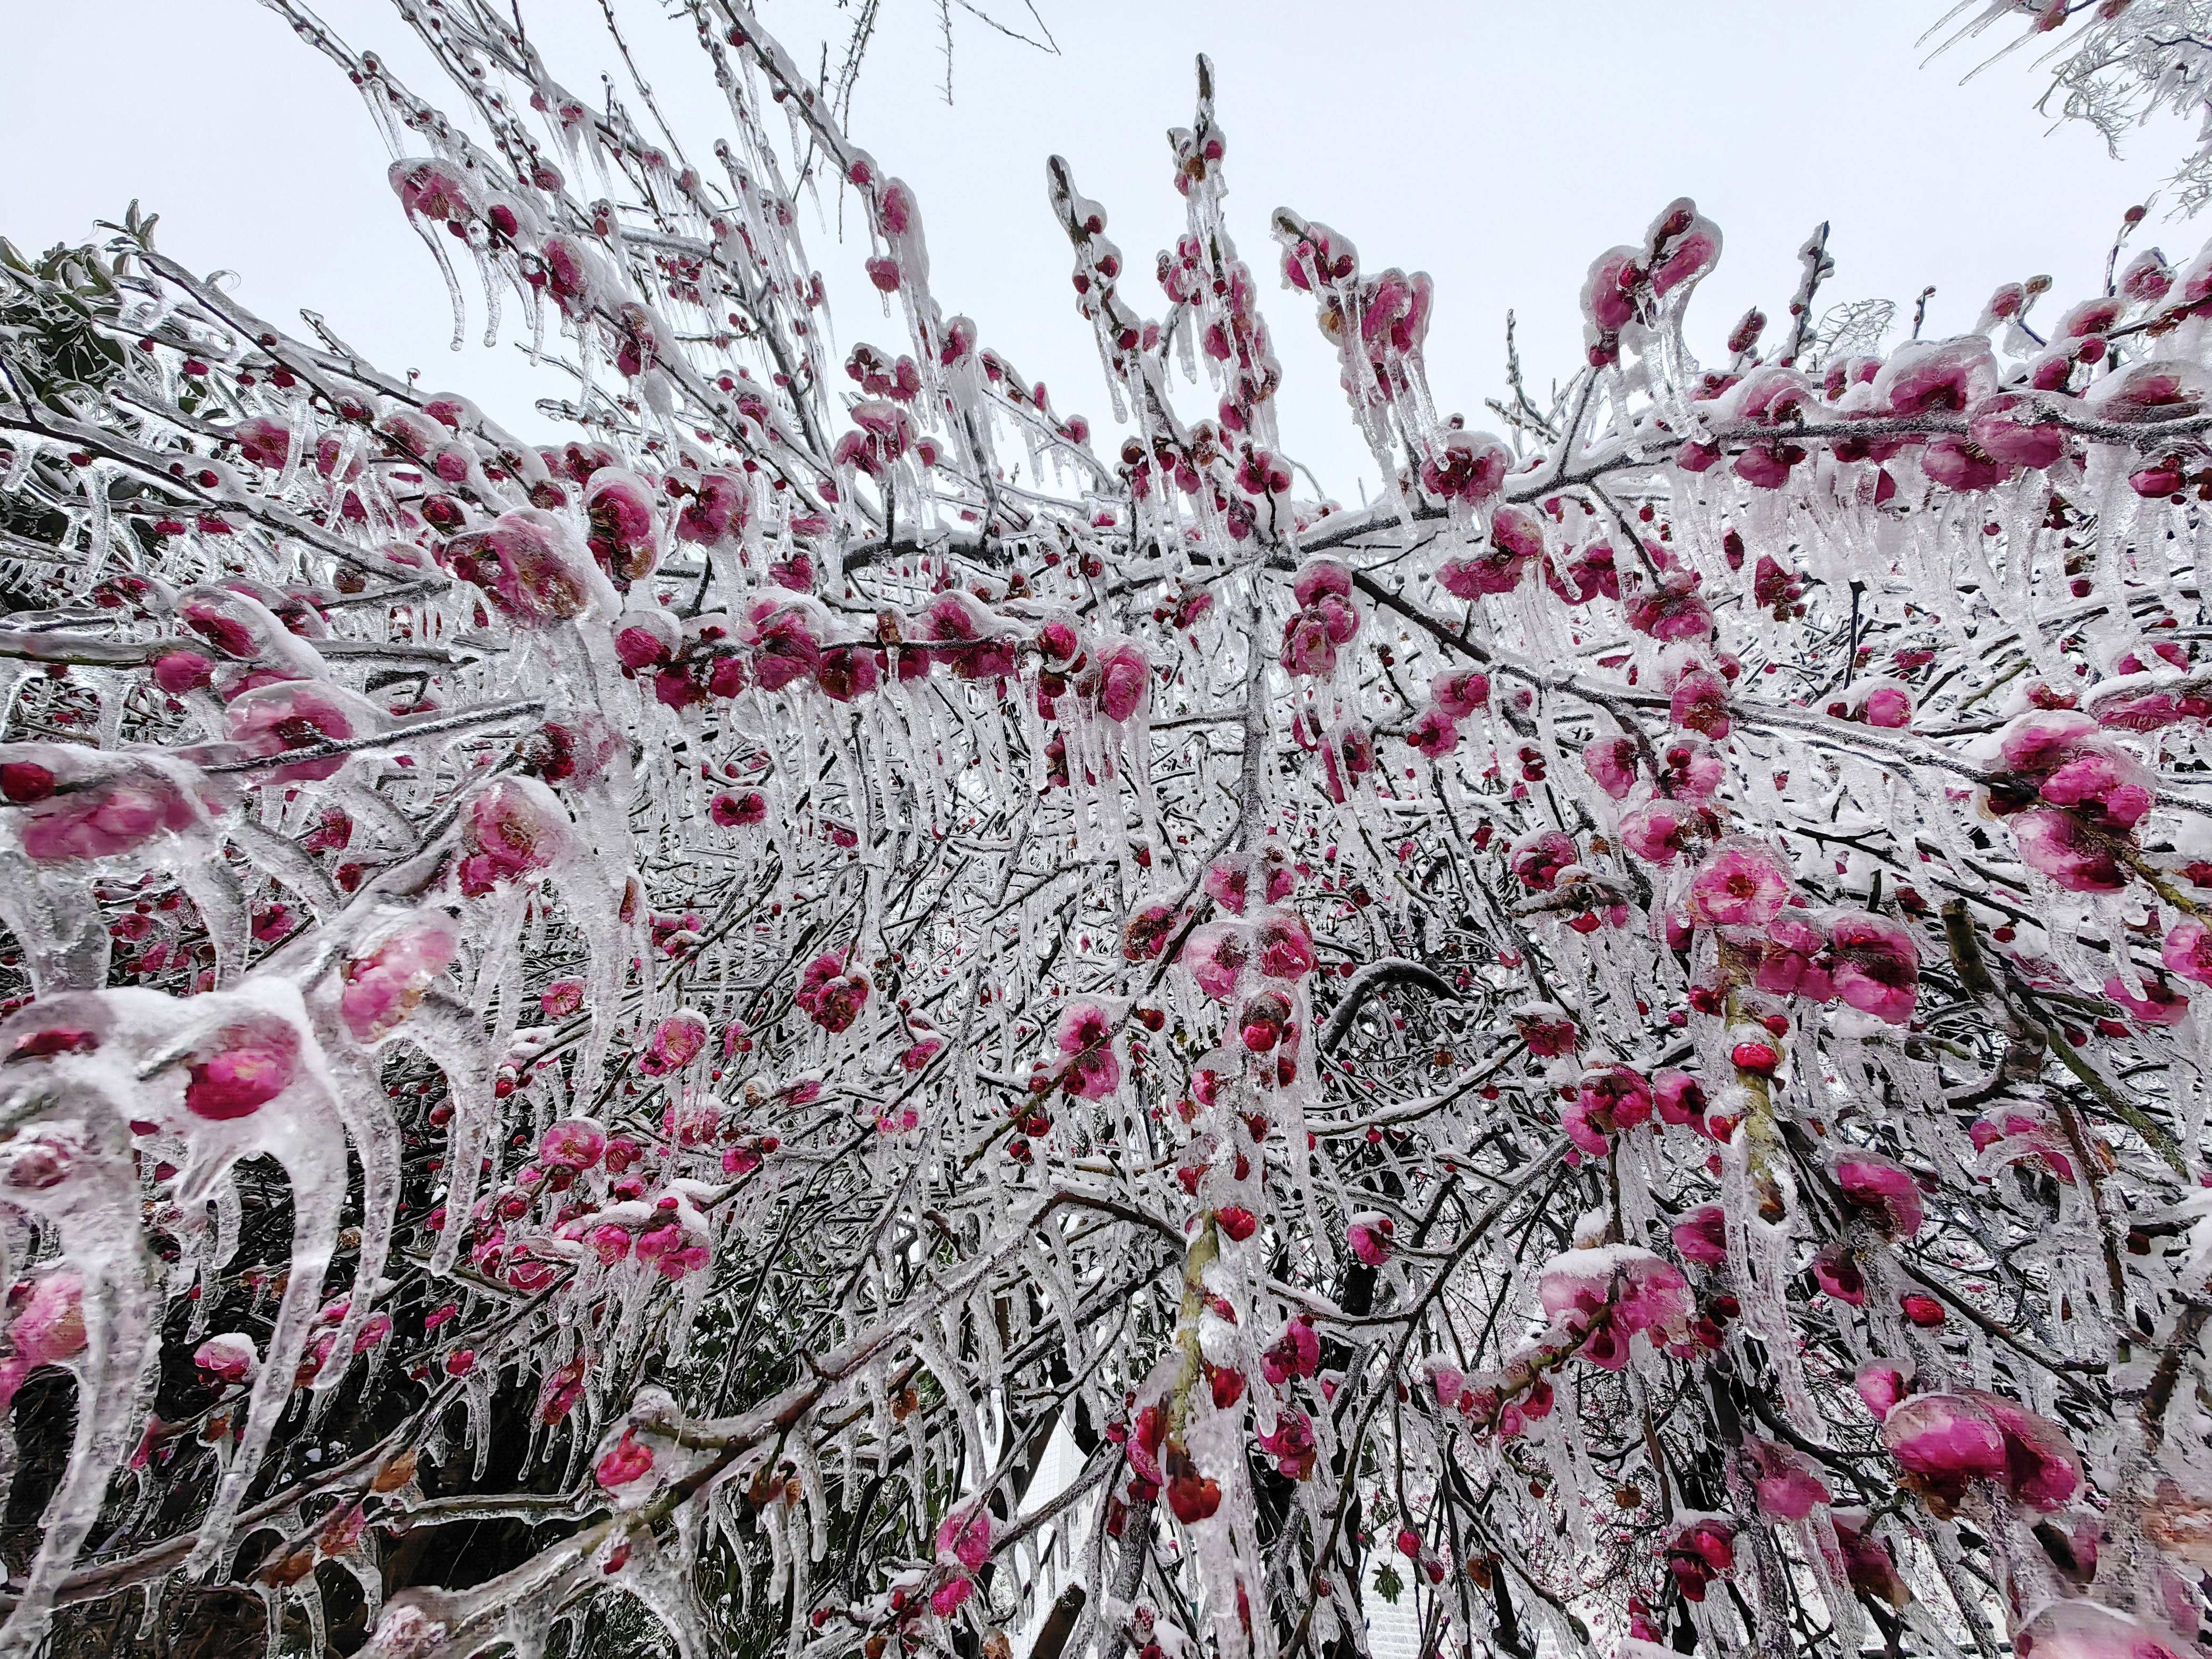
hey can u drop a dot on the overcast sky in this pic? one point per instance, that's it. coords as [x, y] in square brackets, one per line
[1498, 146]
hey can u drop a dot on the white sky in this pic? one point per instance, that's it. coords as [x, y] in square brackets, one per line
[1499, 147]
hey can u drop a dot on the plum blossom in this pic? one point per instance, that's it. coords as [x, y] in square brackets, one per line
[381, 988]
[228, 1358]
[240, 1068]
[1291, 1445]
[1369, 1237]
[1945, 1442]
[1738, 885]
[1296, 1352]
[1611, 1293]
[830, 996]
[1088, 1068]
[628, 1461]
[1217, 955]
[1702, 1236]
[1701, 1550]
[1785, 1480]
[1883, 1192]
[511, 832]
[45, 1327]
[963, 1537]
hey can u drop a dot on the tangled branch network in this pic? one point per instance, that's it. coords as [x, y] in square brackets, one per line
[818, 1019]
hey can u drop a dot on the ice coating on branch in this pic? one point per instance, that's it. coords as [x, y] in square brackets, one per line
[924, 934]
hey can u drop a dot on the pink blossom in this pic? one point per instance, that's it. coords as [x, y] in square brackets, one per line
[511, 832]
[1368, 1238]
[2187, 950]
[1881, 1383]
[574, 1142]
[1957, 464]
[179, 671]
[1672, 611]
[1868, 1565]
[1766, 466]
[1282, 946]
[2041, 739]
[1228, 882]
[1516, 541]
[948, 1598]
[828, 995]
[2058, 845]
[262, 440]
[1738, 885]
[625, 1461]
[2042, 1468]
[1875, 966]
[1612, 764]
[1701, 1550]
[1700, 702]
[562, 997]
[434, 189]
[1702, 1236]
[1125, 681]
[241, 1068]
[1588, 1135]
[2160, 1005]
[2086, 1629]
[1882, 1191]
[1996, 428]
[1545, 1029]
[786, 647]
[1787, 1485]
[1217, 955]
[1660, 832]
[1645, 1292]
[1677, 1096]
[1146, 932]
[1888, 706]
[1263, 1021]
[1609, 288]
[1307, 651]
[271, 720]
[1942, 374]
[719, 505]
[531, 567]
[1466, 466]
[679, 1040]
[227, 1358]
[45, 1326]
[964, 1537]
[1795, 960]
[2115, 790]
[1685, 246]
[1434, 734]
[1538, 859]
[624, 536]
[1295, 1353]
[738, 812]
[1319, 577]
[99, 817]
[1587, 573]
[1291, 1445]
[1613, 1098]
[1089, 1068]
[1946, 1441]
[382, 988]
